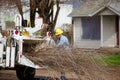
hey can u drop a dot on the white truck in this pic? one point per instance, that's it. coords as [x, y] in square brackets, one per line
[12, 56]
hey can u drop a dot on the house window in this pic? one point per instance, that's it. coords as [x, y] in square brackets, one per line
[91, 28]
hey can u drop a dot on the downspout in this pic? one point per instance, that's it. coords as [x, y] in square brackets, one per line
[74, 44]
[101, 44]
[119, 31]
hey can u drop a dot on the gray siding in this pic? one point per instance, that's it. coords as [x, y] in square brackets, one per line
[78, 42]
[109, 34]
[76, 32]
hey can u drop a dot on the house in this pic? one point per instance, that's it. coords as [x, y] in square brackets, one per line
[96, 24]
[65, 9]
[75, 3]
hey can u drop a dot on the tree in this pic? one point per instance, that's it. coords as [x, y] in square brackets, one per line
[45, 10]
[43, 7]
[13, 4]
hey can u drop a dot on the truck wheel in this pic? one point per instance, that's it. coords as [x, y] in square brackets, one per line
[25, 73]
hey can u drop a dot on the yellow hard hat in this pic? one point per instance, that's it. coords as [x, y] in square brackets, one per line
[58, 31]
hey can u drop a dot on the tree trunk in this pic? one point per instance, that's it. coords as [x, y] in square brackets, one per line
[32, 12]
[45, 11]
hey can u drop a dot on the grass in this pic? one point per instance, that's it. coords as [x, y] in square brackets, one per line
[111, 60]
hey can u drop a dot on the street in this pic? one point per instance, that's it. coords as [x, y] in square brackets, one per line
[8, 75]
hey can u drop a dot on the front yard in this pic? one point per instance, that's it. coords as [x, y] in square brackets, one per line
[80, 64]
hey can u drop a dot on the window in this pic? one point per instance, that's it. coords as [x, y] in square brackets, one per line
[91, 28]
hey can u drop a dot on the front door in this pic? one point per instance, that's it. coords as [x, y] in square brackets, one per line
[117, 30]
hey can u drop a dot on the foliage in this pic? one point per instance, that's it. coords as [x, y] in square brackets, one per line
[6, 18]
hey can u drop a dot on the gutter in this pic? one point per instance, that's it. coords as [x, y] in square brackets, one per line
[78, 15]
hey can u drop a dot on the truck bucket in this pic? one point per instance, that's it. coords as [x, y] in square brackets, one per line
[26, 62]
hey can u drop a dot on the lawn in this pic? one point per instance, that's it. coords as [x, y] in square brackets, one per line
[113, 60]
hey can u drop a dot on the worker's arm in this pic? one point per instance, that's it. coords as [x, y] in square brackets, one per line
[60, 43]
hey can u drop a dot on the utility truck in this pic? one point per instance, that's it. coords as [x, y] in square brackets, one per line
[13, 55]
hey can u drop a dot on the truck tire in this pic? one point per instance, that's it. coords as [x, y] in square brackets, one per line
[25, 73]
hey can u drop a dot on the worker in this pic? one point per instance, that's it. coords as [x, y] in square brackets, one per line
[25, 33]
[61, 39]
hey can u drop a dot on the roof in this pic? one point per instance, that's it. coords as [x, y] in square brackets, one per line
[92, 7]
[115, 7]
